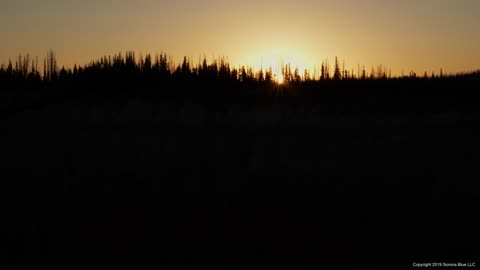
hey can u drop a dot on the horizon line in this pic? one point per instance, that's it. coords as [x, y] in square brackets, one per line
[381, 70]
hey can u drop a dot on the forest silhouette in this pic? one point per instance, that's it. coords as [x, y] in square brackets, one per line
[132, 159]
[159, 76]
[159, 69]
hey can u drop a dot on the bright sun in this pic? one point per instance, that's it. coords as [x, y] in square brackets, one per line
[280, 79]
[276, 60]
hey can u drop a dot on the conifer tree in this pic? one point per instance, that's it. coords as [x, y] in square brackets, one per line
[336, 72]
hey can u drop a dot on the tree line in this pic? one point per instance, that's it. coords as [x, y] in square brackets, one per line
[121, 67]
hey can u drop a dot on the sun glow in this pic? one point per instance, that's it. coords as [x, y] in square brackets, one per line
[279, 79]
[271, 57]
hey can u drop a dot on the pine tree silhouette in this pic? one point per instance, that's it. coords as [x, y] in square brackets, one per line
[336, 74]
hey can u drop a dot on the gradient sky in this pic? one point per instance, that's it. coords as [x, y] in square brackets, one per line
[404, 35]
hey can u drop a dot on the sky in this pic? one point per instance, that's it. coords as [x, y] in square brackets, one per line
[404, 35]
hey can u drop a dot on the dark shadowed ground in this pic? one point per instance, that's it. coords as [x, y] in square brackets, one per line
[354, 181]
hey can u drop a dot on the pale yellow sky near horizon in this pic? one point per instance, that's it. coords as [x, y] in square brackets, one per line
[403, 35]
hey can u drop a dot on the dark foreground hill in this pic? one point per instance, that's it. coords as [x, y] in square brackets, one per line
[348, 177]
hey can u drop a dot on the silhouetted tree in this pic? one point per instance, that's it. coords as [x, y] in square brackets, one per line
[325, 72]
[327, 69]
[322, 71]
[33, 75]
[50, 66]
[224, 69]
[381, 74]
[130, 61]
[163, 65]
[234, 74]
[250, 74]
[306, 76]
[147, 64]
[413, 75]
[296, 76]
[10, 68]
[269, 75]
[260, 76]
[336, 72]
[63, 75]
[243, 74]
[185, 66]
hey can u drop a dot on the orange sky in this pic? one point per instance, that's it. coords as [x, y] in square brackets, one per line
[403, 35]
